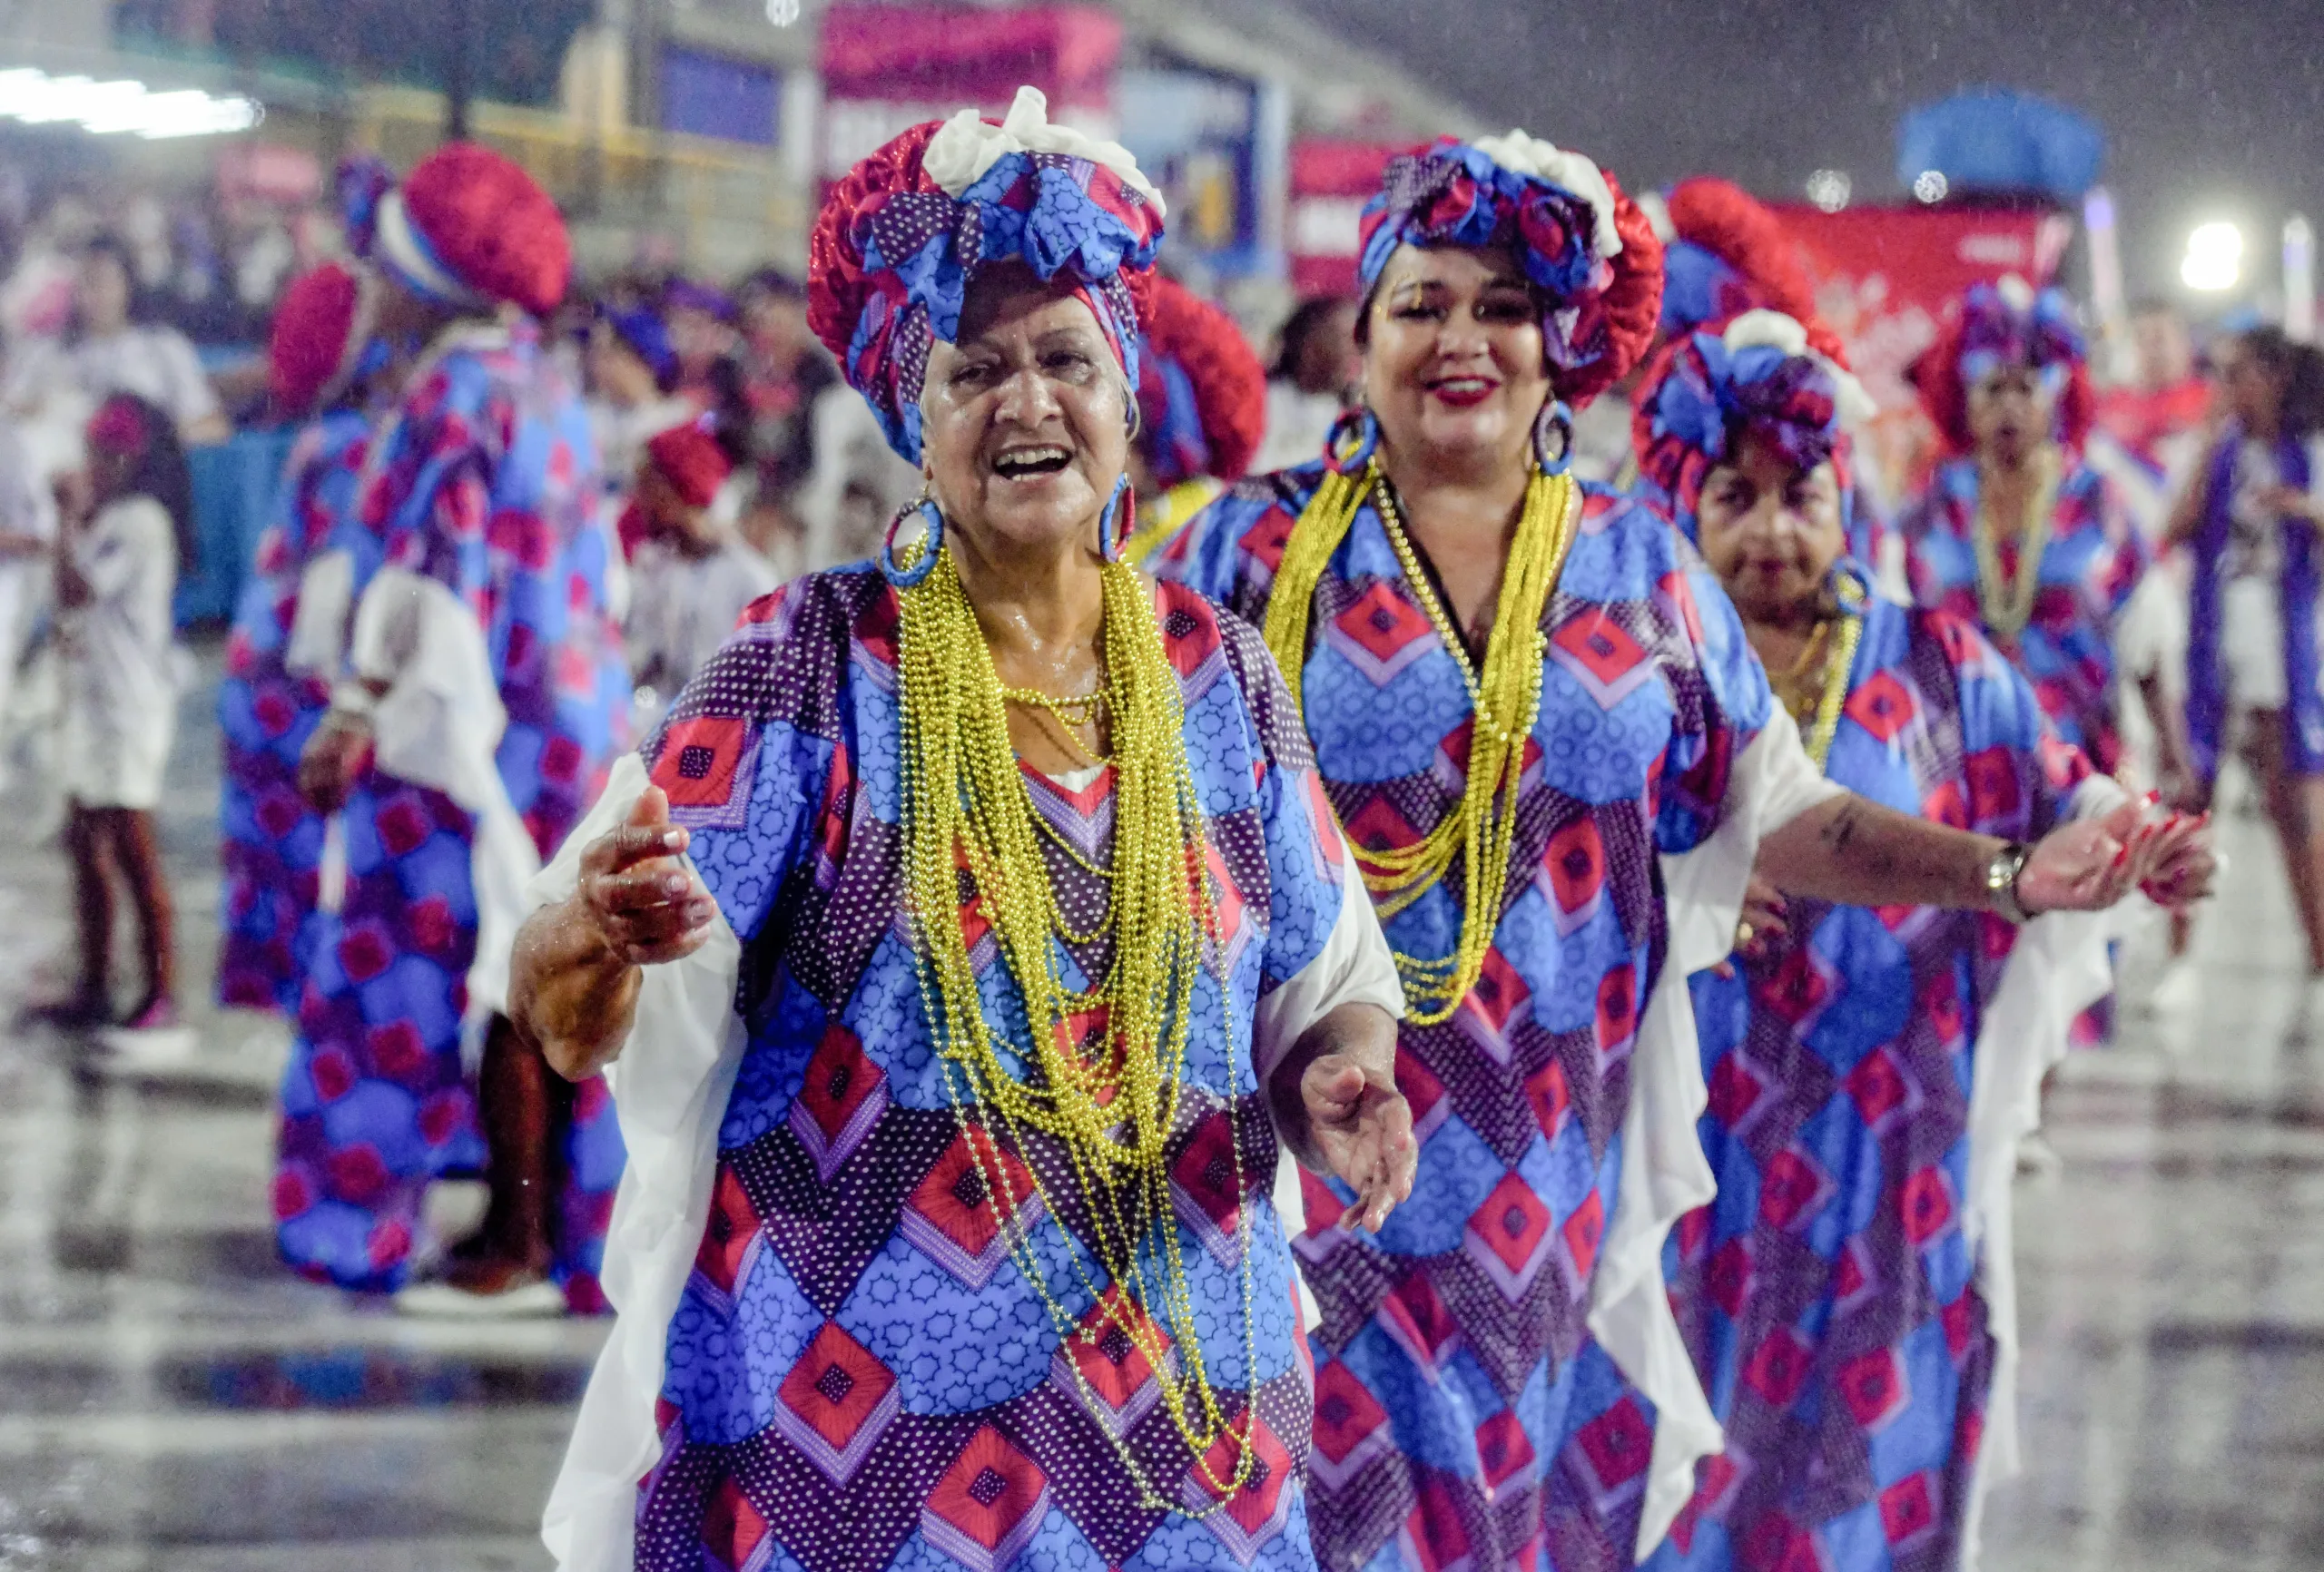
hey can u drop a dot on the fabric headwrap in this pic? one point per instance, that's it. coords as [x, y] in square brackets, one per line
[1763, 377]
[469, 229]
[902, 237]
[320, 329]
[120, 427]
[1591, 254]
[1725, 255]
[1202, 394]
[2008, 325]
[692, 460]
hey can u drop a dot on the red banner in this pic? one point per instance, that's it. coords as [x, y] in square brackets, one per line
[1330, 183]
[887, 68]
[1884, 278]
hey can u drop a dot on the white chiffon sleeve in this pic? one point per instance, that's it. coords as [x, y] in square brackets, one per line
[2059, 966]
[670, 1088]
[1665, 1175]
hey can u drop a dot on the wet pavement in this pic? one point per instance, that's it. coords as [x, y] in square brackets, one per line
[171, 1400]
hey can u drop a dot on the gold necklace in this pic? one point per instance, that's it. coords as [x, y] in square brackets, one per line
[1505, 698]
[967, 810]
[1853, 598]
[2006, 602]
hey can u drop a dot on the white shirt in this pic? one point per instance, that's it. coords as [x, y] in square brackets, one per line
[120, 691]
[682, 608]
[1297, 424]
[68, 381]
[2254, 531]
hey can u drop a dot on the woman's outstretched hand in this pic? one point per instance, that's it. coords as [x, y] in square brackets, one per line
[2090, 864]
[645, 907]
[574, 980]
[1363, 1129]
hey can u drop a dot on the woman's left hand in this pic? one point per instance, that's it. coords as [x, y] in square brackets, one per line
[2090, 864]
[2184, 869]
[333, 760]
[1363, 1129]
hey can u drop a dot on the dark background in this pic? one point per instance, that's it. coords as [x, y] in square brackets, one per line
[2211, 111]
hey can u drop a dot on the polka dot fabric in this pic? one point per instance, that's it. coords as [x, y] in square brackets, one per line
[1464, 1419]
[1828, 1295]
[269, 840]
[485, 480]
[859, 1374]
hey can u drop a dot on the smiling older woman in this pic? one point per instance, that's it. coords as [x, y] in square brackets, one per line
[1848, 1297]
[958, 950]
[1520, 692]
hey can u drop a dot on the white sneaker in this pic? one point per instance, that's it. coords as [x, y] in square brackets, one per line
[442, 1301]
[148, 1050]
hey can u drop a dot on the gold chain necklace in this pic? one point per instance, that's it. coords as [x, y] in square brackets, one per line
[967, 809]
[2006, 602]
[1505, 698]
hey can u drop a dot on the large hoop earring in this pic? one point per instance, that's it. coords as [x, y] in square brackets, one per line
[932, 543]
[1121, 505]
[1354, 438]
[1553, 437]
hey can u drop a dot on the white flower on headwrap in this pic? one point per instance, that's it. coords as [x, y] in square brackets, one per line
[959, 153]
[1530, 155]
[1763, 329]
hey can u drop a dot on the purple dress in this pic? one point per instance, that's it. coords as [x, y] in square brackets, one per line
[860, 1373]
[271, 841]
[485, 482]
[1829, 1296]
[1464, 1417]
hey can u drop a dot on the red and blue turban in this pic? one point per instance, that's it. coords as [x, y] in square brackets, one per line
[1202, 394]
[1591, 255]
[902, 236]
[1725, 255]
[2007, 326]
[1766, 376]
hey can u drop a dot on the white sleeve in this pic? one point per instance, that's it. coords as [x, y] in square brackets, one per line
[670, 1088]
[1355, 967]
[1665, 1175]
[2059, 965]
[191, 397]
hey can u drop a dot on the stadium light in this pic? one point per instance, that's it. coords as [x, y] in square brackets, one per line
[33, 97]
[1930, 185]
[781, 13]
[1831, 188]
[2214, 258]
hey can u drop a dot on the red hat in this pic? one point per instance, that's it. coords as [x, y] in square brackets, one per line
[690, 457]
[1202, 394]
[314, 336]
[1750, 262]
[470, 227]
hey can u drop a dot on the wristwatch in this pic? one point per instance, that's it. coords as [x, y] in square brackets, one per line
[2001, 874]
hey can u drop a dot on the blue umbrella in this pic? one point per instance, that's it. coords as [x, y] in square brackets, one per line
[1988, 139]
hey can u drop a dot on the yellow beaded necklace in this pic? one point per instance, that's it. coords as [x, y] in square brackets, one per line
[1109, 1107]
[2007, 603]
[1817, 705]
[1505, 698]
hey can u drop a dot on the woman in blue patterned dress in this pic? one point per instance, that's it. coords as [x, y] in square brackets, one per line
[1511, 752]
[1845, 1297]
[271, 841]
[1012, 910]
[482, 703]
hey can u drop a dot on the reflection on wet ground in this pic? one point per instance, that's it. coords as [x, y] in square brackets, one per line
[171, 1401]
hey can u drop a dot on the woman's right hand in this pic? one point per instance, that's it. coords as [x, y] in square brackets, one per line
[644, 906]
[574, 980]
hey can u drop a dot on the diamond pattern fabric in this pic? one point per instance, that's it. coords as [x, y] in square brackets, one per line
[862, 1373]
[1827, 1295]
[1463, 1418]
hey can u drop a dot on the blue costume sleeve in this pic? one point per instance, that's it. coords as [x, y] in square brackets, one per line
[1722, 702]
[2018, 775]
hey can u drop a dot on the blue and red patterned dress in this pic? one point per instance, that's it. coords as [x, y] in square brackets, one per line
[1829, 1294]
[271, 841]
[2092, 562]
[858, 1373]
[484, 481]
[1464, 1416]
